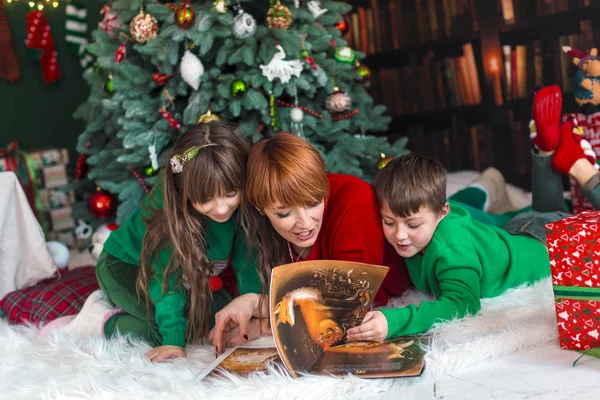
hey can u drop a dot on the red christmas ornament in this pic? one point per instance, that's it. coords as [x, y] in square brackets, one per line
[215, 283]
[81, 167]
[120, 55]
[343, 26]
[101, 204]
[184, 16]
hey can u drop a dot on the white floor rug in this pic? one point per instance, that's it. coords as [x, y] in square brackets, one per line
[72, 367]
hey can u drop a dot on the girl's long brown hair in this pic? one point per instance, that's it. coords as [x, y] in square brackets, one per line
[216, 170]
[284, 169]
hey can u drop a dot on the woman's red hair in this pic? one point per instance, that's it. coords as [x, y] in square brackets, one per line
[285, 169]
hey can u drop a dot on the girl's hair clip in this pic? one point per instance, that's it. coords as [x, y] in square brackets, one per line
[178, 160]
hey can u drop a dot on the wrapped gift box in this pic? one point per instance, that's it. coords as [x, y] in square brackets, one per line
[43, 174]
[574, 250]
[56, 198]
[591, 133]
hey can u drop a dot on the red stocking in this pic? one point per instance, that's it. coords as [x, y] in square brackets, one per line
[39, 37]
[9, 63]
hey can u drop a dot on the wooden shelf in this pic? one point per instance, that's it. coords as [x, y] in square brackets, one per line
[558, 24]
[443, 48]
[435, 117]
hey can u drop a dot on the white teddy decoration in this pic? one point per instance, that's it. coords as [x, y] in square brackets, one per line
[99, 237]
[279, 68]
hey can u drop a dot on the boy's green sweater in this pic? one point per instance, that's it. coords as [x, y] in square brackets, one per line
[464, 262]
[222, 239]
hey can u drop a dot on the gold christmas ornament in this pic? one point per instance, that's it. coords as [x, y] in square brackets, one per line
[279, 17]
[143, 27]
[209, 116]
[221, 6]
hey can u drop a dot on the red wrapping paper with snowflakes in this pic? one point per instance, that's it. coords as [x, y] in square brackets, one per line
[591, 133]
[574, 250]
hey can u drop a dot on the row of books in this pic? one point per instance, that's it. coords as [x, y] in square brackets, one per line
[525, 66]
[394, 24]
[518, 11]
[428, 84]
[464, 146]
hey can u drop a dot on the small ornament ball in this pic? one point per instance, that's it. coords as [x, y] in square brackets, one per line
[343, 26]
[149, 171]
[244, 25]
[101, 204]
[221, 6]
[364, 73]
[338, 101]
[143, 27]
[108, 86]
[238, 87]
[279, 17]
[345, 54]
[184, 17]
[297, 115]
[383, 161]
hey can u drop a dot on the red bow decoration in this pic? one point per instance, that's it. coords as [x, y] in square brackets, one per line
[160, 79]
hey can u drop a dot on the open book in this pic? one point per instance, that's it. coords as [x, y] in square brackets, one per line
[312, 305]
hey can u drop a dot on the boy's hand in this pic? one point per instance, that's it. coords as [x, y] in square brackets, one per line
[163, 353]
[374, 327]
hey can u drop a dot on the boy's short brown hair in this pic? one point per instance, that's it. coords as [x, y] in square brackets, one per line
[410, 182]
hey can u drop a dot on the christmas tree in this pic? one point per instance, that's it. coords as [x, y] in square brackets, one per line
[267, 65]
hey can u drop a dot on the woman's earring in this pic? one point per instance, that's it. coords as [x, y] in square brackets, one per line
[260, 212]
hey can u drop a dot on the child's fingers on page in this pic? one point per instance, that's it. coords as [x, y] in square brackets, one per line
[368, 316]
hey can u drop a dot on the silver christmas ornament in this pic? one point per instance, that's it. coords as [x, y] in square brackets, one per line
[244, 25]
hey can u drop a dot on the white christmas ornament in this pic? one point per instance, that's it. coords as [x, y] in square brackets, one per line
[280, 68]
[315, 8]
[153, 157]
[297, 115]
[191, 69]
[244, 25]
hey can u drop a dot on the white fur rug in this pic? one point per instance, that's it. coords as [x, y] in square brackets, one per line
[69, 367]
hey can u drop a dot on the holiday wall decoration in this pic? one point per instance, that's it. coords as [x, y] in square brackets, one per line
[264, 70]
[40, 40]
[10, 69]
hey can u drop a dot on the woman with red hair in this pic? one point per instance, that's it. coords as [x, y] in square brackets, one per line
[295, 211]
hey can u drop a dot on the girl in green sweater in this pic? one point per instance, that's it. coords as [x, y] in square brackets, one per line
[161, 267]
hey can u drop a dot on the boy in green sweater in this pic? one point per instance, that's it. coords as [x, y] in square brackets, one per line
[448, 254]
[456, 251]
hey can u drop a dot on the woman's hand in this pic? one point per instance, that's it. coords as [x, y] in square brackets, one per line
[163, 353]
[236, 314]
[374, 327]
[256, 328]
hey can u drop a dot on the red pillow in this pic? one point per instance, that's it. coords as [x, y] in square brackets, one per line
[50, 298]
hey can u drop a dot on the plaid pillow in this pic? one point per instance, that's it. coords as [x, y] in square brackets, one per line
[50, 298]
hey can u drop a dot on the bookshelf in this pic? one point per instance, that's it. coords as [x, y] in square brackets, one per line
[458, 76]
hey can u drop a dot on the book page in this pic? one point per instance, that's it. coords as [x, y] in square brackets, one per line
[243, 360]
[396, 357]
[314, 303]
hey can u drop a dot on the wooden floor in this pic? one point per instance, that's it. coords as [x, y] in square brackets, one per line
[544, 373]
